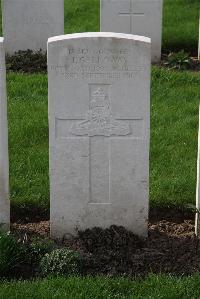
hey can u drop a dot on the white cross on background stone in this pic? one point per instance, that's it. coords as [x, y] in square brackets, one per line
[131, 14]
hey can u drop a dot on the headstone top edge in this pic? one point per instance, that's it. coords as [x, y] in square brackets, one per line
[33, 0]
[139, 0]
[145, 40]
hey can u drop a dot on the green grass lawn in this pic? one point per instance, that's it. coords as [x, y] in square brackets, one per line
[180, 22]
[28, 138]
[174, 126]
[181, 25]
[153, 287]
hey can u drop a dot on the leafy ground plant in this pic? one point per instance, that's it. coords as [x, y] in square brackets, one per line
[61, 262]
[11, 254]
[180, 61]
[39, 247]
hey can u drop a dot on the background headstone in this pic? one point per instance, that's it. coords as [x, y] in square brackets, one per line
[199, 40]
[99, 115]
[197, 224]
[27, 24]
[4, 178]
[140, 17]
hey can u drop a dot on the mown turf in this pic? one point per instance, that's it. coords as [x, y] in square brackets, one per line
[181, 25]
[154, 287]
[180, 22]
[82, 16]
[174, 126]
[28, 139]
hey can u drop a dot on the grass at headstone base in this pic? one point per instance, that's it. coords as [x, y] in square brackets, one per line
[174, 127]
[180, 22]
[153, 287]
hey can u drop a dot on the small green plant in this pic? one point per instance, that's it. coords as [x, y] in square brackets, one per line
[11, 254]
[180, 60]
[39, 247]
[61, 262]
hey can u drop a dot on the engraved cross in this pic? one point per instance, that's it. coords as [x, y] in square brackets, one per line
[131, 14]
[98, 125]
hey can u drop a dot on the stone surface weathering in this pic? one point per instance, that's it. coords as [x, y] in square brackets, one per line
[4, 177]
[27, 24]
[199, 39]
[99, 115]
[197, 222]
[141, 17]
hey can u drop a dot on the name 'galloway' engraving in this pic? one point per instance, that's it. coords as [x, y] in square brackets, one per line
[95, 63]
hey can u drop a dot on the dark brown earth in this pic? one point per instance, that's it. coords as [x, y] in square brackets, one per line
[192, 65]
[171, 247]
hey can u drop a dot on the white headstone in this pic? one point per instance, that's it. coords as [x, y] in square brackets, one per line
[27, 24]
[99, 115]
[197, 224]
[199, 40]
[4, 188]
[141, 17]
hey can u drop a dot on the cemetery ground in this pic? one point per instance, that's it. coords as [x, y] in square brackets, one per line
[172, 247]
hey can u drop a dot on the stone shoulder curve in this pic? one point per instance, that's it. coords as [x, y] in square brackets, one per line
[143, 39]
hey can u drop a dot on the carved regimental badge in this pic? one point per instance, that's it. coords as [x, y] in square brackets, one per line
[99, 120]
